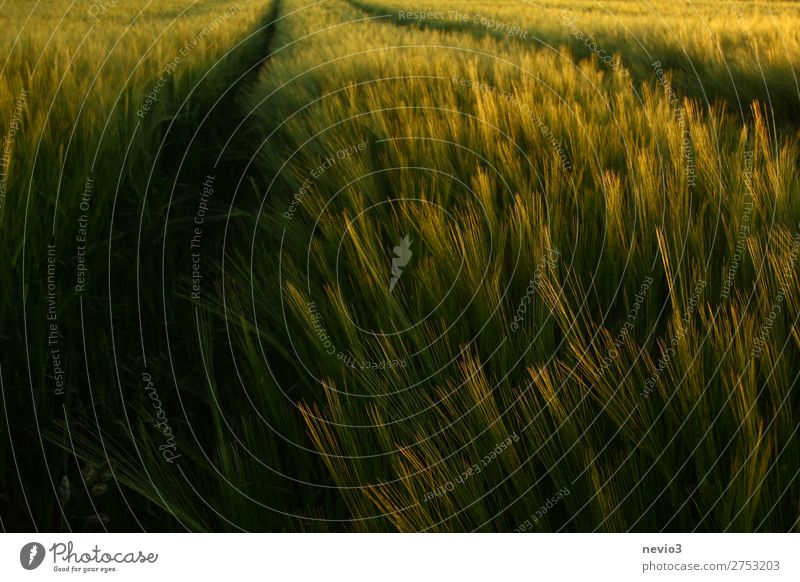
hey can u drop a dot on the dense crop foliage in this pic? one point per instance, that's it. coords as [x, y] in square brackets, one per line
[467, 266]
[99, 104]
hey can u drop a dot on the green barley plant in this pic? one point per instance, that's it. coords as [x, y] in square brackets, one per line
[454, 262]
[113, 93]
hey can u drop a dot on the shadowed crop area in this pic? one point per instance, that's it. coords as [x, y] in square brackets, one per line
[379, 266]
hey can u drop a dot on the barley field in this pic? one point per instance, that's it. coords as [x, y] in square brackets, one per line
[377, 265]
